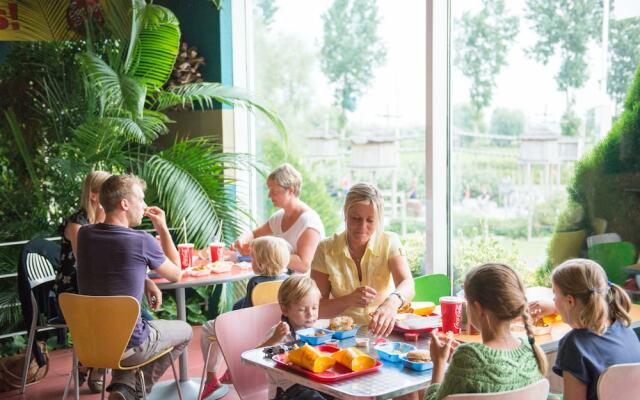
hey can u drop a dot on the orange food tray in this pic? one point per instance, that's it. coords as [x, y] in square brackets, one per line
[336, 373]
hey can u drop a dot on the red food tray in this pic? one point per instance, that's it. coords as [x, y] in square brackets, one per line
[336, 373]
[421, 330]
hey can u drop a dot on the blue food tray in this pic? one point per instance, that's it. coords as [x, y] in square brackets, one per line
[243, 258]
[386, 351]
[345, 334]
[306, 335]
[416, 366]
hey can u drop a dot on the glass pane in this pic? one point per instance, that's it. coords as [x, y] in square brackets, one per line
[527, 103]
[348, 79]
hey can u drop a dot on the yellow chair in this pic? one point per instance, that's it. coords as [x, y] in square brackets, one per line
[101, 327]
[265, 293]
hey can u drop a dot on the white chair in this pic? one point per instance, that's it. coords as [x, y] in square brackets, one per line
[535, 391]
[38, 271]
[621, 381]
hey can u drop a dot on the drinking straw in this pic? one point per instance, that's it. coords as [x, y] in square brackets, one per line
[184, 228]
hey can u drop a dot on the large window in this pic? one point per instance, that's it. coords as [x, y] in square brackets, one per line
[528, 100]
[348, 79]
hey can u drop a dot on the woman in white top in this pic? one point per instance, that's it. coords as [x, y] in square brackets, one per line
[295, 222]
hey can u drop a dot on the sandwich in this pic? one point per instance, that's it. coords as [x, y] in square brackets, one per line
[419, 356]
[341, 323]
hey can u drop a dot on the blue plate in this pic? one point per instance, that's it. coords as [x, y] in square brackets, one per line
[416, 366]
[345, 334]
[308, 335]
[392, 351]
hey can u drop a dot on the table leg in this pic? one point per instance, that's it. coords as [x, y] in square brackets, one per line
[189, 387]
[181, 306]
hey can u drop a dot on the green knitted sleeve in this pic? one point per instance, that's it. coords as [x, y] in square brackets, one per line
[456, 379]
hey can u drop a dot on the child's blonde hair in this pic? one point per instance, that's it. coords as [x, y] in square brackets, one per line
[500, 290]
[271, 254]
[295, 288]
[603, 302]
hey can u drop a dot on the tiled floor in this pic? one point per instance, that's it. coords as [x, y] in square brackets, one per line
[52, 386]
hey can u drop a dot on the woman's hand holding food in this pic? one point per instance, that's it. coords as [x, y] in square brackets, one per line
[383, 318]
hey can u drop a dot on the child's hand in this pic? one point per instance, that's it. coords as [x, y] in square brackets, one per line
[540, 308]
[281, 331]
[441, 349]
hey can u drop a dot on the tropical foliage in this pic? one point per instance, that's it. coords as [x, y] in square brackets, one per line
[100, 103]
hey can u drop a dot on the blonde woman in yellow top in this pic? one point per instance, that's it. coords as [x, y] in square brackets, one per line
[363, 271]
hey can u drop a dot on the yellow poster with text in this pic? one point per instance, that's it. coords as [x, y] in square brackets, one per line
[45, 20]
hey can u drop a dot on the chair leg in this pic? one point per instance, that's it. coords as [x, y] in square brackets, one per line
[32, 334]
[144, 386]
[104, 383]
[76, 375]
[204, 371]
[175, 376]
[74, 365]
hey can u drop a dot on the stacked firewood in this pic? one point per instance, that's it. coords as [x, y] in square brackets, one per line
[186, 67]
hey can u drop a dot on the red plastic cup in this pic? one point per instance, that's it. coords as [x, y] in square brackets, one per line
[411, 337]
[216, 252]
[451, 308]
[186, 255]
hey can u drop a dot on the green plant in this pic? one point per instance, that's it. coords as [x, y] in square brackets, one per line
[414, 246]
[469, 253]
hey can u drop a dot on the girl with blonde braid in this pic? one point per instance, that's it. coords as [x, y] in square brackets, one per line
[495, 296]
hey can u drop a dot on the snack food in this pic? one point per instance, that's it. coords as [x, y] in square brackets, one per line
[419, 356]
[426, 309]
[406, 308]
[354, 359]
[310, 358]
[318, 333]
[341, 323]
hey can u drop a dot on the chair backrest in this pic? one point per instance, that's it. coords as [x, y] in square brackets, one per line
[241, 330]
[432, 287]
[38, 270]
[613, 257]
[100, 327]
[535, 391]
[620, 381]
[265, 293]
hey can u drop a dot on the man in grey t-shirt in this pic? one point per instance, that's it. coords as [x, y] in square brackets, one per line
[112, 259]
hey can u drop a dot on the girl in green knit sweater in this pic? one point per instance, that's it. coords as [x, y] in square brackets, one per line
[495, 296]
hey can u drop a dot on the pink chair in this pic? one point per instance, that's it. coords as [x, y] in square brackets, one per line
[620, 381]
[535, 391]
[242, 330]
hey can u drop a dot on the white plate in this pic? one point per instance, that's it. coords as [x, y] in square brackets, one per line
[412, 321]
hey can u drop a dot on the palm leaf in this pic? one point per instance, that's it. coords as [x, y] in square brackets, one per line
[45, 20]
[117, 89]
[190, 183]
[10, 312]
[15, 129]
[99, 140]
[157, 46]
[204, 94]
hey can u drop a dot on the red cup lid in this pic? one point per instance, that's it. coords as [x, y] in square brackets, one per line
[451, 299]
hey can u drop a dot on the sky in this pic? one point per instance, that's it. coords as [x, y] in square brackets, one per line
[397, 94]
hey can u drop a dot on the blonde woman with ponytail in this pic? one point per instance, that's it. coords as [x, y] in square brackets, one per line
[495, 296]
[598, 312]
[90, 212]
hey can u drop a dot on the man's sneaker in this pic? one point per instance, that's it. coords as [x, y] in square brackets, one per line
[122, 392]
